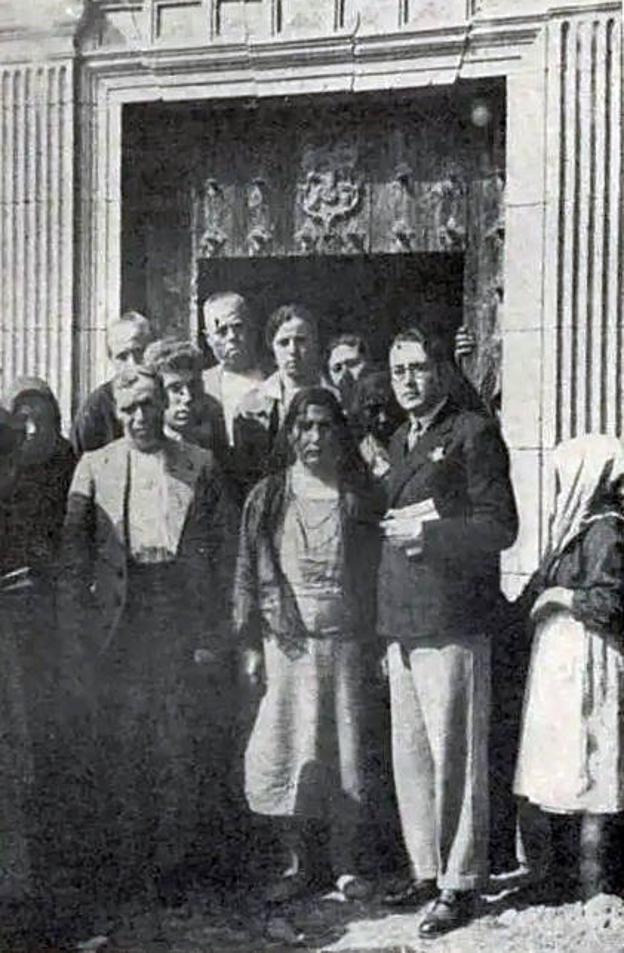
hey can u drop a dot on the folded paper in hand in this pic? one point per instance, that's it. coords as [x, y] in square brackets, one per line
[422, 511]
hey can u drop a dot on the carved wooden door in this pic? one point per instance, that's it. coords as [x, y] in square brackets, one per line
[372, 213]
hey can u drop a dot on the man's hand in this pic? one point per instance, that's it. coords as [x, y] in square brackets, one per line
[252, 668]
[555, 599]
[403, 527]
[465, 343]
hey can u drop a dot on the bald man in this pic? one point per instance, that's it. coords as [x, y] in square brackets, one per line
[229, 330]
[96, 422]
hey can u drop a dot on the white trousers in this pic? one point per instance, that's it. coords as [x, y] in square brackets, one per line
[440, 699]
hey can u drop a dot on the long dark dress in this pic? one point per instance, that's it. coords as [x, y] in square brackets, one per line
[16, 771]
[32, 519]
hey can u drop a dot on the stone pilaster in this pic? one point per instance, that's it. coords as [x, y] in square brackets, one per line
[562, 336]
[37, 163]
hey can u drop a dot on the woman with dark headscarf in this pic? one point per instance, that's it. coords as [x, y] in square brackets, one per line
[46, 464]
[15, 750]
[305, 614]
[32, 518]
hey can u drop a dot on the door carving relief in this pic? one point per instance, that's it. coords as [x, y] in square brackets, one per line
[335, 182]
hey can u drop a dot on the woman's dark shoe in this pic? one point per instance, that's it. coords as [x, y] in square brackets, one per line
[411, 894]
[452, 909]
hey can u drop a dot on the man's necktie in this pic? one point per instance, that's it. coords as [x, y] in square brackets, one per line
[414, 434]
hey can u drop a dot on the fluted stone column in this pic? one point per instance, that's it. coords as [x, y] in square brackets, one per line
[562, 323]
[37, 182]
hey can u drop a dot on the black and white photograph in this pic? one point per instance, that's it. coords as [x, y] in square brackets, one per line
[311, 476]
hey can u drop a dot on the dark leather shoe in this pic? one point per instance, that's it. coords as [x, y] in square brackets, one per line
[452, 909]
[412, 894]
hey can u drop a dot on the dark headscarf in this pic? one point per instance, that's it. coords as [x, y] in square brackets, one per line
[11, 434]
[24, 386]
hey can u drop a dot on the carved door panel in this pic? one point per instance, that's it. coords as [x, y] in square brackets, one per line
[332, 198]
[371, 184]
[483, 282]
[420, 191]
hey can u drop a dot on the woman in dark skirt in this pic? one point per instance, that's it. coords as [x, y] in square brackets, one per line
[32, 517]
[16, 768]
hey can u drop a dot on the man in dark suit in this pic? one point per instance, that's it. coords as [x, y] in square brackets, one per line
[451, 512]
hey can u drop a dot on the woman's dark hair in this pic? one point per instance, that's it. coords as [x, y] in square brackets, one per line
[284, 313]
[352, 471]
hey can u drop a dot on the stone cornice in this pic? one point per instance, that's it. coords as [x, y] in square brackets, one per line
[351, 55]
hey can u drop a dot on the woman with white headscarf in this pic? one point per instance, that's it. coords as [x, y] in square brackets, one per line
[571, 757]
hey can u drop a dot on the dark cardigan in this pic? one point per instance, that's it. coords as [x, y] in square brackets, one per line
[592, 566]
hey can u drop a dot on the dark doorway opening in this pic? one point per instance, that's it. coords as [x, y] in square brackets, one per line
[374, 295]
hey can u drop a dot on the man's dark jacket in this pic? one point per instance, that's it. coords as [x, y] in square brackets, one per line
[461, 463]
[96, 424]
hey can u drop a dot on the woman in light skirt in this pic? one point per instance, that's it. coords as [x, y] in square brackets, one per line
[571, 756]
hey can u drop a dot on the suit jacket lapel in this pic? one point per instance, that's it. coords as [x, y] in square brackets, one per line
[182, 473]
[403, 464]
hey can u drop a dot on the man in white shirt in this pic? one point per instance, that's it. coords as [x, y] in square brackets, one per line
[145, 572]
[229, 330]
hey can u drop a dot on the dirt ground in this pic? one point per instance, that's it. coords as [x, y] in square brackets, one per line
[508, 921]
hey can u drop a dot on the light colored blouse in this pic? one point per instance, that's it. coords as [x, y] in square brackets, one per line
[311, 557]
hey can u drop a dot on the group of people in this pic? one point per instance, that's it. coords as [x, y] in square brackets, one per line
[208, 587]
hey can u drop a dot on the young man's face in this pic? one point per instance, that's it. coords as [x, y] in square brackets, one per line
[183, 390]
[140, 410]
[415, 378]
[127, 341]
[230, 336]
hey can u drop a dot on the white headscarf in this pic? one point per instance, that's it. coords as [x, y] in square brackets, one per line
[587, 468]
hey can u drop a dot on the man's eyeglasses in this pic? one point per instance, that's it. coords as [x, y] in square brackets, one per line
[401, 372]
